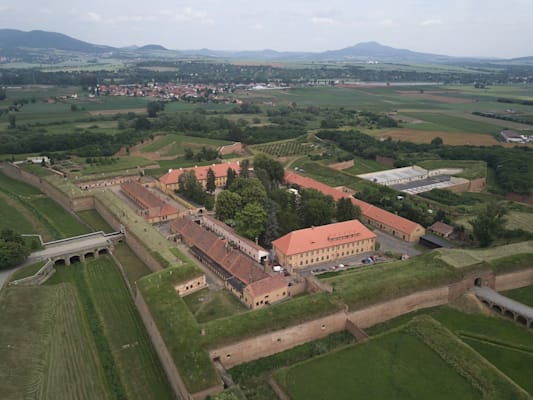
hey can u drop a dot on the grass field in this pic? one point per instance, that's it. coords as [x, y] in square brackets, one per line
[322, 173]
[123, 163]
[27, 271]
[138, 364]
[397, 365]
[207, 305]
[28, 209]
[173, 144]
[519, 220]
[50, 353]
[364, 166]
[134, 268]
[95, 221]
[427, 134]
[523, 295]
[471, 169]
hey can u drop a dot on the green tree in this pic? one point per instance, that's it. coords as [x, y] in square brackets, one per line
[346, 210]
[13, 249]
[210, 184]
[153, 107]
[227, 205]
[251, 190]
[243, 172]
[189, 154]
[437, 141]
[231, 174]
[3, 94]
[315, 208]
[272, 228]
[488, 222]
[250, 221]
[12, 119]
[191, 188]
[273, 168]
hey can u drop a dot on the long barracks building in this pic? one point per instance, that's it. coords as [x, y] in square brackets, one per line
[385, 221]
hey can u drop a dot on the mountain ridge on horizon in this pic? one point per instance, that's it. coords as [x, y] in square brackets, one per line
[12, 40]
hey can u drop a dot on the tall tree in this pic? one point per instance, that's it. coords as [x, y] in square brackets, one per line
[231, 174]
[210, 184]
[250, 221]
[272, 228]
[243, 172]
[488, 222]
[191, 188]
[346, 210]
[273, 168]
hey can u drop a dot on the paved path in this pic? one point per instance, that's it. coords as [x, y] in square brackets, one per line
[505, 302]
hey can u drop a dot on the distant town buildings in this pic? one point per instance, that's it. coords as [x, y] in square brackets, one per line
[510, 136]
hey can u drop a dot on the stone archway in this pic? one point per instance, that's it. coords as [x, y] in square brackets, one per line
[60, 261]
[478, 282]
[89, 255]
[521, 320]
[75, 259]
[101, 252]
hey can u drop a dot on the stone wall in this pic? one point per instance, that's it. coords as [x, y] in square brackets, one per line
[514, 280]
[133, 242]
[391, 309]
[164, 356]
[274, 342]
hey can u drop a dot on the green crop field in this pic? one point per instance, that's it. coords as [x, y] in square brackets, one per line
[471, 169]
[364, 166]
[449, 123]
[519, 220]
[48, 353]
[140, 371]
[207, 305]
[285, 149]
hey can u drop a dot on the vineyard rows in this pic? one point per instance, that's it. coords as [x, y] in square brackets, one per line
[286, 149]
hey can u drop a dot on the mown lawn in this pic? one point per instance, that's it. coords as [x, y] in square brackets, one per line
[139, 368]
[207, 304]
[134, 268]
[95, 221]
[397, 365]
[523, 295]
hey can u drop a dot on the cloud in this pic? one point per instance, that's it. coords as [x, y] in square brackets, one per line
[324, 21]
[429, 22]
[92, 17]
[189, 14]
[386, 22]
[135, 18]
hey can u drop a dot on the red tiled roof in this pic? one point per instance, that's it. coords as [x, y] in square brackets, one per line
[320, 237]
[441, 228]
[265, 286]
[147, 200]
[368, 210]
[220, 170]
[234, 262]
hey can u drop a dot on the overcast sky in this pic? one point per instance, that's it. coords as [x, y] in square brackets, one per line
[500, 28]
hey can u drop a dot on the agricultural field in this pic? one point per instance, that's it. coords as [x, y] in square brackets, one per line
[50, 352]
[427, 134]
[27, 208]
[172, 145]
[287, 148]
[322, 173]
[207, 305]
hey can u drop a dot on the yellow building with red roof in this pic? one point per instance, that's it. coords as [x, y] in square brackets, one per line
[305, 247]
[170, 181]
